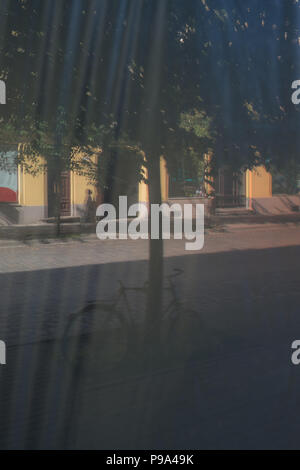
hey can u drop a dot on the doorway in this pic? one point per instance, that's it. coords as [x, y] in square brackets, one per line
[65, 202]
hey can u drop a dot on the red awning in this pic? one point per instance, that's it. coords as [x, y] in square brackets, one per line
[8, 195]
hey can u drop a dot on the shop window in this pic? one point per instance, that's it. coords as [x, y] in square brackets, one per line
[8, 177]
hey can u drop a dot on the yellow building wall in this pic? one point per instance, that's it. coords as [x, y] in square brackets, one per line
[32, 190]
[164, 182]
[164, 179]
[143, 192]
[79, 189]
[259, 183]
[209, 188]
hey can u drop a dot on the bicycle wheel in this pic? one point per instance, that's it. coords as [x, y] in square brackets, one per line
[96, 336]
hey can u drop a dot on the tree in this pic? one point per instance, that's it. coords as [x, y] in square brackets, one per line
[200, 131]
[146, 64]
[97, 145]
[52, 149]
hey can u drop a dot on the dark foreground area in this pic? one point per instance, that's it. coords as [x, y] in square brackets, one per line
[232, 387]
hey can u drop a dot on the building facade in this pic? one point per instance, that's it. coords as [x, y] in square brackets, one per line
[24, 199]
[242, 189]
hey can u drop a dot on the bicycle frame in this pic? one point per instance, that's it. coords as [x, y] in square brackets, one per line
[174, 302]
[144, 289]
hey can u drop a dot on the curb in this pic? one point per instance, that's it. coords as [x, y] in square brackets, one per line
[27, 232]
[254, 219]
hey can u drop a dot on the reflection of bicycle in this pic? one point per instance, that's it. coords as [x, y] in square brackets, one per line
[105, 333]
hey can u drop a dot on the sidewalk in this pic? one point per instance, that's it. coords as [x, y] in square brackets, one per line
[43, 231]
[254, 219]
[218, 222]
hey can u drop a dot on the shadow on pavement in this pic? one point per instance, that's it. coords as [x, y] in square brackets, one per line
[221, 378]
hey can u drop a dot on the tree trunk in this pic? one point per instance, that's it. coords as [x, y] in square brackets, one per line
[156, 276]
[58, 207]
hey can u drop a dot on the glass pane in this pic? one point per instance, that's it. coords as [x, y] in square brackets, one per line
[9, 178]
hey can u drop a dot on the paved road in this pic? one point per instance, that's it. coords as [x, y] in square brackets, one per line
[233, 387]
[87, 251]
